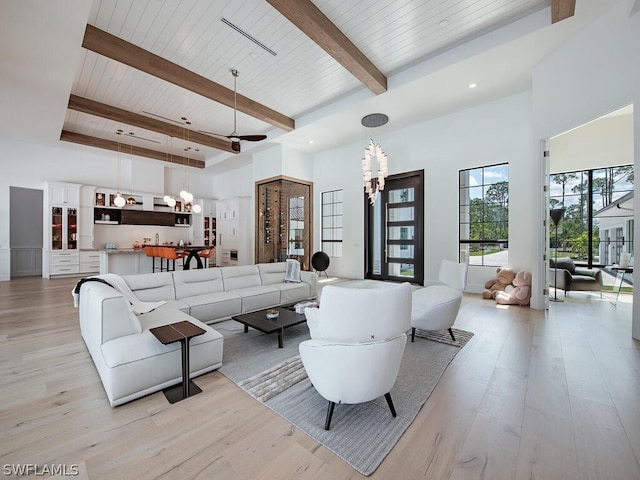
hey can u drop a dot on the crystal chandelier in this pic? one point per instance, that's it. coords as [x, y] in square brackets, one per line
[374, 152]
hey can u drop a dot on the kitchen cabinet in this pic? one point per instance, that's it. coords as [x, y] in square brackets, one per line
[61, 230]
[233, 238]
[204, 224]
[89, 261]
[85, 217]
[64, 263]
[64, 194]
[209, 227]
[62, 243]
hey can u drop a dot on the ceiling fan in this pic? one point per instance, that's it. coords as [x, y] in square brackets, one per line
[234, 137]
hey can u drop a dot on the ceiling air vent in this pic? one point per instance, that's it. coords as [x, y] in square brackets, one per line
[245, 34]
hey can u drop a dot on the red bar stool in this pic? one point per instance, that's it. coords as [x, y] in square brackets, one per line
[169, 253]
[205, 254]
[151, 252]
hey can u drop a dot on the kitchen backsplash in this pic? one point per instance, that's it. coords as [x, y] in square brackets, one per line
[124, 236]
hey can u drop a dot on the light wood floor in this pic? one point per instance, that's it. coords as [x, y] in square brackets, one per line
[533, 395]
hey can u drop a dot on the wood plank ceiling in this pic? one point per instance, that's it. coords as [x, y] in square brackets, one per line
[148, 66]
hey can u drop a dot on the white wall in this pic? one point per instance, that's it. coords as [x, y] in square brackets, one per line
[297, 164]
[494, 133]
[595, 73]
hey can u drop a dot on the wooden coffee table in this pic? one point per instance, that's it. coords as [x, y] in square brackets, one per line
[259, 321]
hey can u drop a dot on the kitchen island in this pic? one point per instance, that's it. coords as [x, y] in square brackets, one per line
[124, 261]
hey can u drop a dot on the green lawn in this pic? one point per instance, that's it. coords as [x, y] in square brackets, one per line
[483, 252]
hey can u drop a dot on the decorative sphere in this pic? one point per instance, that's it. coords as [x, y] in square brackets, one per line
[197, 208]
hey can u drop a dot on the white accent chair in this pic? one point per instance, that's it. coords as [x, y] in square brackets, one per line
[436, 307]
[362, 336]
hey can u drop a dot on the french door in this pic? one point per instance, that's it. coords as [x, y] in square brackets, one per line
[394, 226]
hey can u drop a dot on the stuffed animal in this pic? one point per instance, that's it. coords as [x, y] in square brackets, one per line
[519, 294]
[504, 278]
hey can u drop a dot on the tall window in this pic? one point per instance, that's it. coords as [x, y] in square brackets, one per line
[484, 215]
[332, 223]
[597, 225]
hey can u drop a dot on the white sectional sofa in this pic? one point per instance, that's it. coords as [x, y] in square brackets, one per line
[132, 363]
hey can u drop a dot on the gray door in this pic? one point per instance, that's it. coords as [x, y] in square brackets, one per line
[25, 223]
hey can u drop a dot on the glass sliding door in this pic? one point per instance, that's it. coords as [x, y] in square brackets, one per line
[394, 227]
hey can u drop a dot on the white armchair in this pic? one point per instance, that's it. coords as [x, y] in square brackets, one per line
[360, 343]
[436, 307]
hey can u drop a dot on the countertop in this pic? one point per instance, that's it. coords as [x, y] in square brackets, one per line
[123, 250]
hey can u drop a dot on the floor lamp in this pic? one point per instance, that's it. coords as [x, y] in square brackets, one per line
[556, 215]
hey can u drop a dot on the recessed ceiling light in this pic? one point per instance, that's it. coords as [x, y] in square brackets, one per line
[311, 142]
[443, 23]
[473, 85]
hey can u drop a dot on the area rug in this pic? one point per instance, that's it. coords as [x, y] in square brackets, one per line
[442, 336]
[363, 434]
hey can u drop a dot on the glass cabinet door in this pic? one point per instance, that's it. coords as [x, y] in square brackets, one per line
[207, 231]
[56, 228]
[72, 229]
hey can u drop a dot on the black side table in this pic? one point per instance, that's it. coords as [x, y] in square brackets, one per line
[183, 332]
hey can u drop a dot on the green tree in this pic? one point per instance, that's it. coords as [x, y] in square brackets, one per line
[498, 193]
[563, 179]
[605, 185]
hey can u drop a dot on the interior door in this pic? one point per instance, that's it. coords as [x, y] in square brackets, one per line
[394, 228]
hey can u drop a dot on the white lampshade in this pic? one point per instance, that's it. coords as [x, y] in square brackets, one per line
[171, 202]
[183, 194]
[119, 201]
[166, 199]
[196, 208]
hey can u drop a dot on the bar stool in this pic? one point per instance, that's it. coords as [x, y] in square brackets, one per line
[205, 254]
[151, 252]
[171, 254]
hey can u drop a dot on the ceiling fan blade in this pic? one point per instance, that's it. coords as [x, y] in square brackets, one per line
[235, 146]
[252, 138]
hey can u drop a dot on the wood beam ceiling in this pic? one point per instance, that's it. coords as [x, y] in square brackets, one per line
[139, 151]
[92, 107]
[561, 9]
[312, 22]
[115, 48]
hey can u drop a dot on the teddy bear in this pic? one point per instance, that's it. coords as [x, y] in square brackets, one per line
[519, 293]
[504, 278]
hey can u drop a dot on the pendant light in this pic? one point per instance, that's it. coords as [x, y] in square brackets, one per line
[373, 152]
[184, 193]
[119, 201]
[168, 199]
